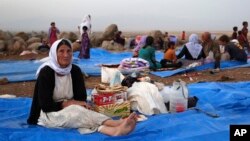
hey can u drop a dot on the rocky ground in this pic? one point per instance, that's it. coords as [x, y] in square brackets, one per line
[25, 89]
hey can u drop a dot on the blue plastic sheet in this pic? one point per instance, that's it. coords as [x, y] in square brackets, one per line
[224, 65]
[16, 71]
[231, 101]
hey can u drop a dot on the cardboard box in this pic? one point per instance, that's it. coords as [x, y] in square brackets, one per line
[114, 110]
[103, 99]
[109, 98]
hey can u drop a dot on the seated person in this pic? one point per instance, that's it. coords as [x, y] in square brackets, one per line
[118, 39]
[223, 41]
[147, 52]
[140, 44]
[192, 51]
[211, 50]
[233, 48]
[44, 47]
[59, 99]
[170, 59]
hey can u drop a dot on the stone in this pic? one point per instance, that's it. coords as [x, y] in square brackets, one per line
[109, 32]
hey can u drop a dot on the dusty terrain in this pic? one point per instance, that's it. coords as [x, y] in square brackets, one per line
[25, 89]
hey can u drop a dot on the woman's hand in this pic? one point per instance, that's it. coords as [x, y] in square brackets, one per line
[75, 102]
[86, 105]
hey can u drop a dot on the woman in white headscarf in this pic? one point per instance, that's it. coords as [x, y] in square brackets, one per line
[59, 99]
[192, 51]
[86, 21]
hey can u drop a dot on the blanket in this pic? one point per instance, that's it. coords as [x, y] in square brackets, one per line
[230, 101]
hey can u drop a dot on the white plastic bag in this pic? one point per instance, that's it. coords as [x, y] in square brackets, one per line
[107, 74]
[178, 97]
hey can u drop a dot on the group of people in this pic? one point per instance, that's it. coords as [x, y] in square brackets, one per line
[241, 35]
[60, 99]
[201, 51]
[84, 30]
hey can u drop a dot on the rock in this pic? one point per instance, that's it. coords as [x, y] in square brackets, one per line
[34, 46]
[109, 32]
[5, 35]
[2, 35]
[40, 35]
[3, 81]
[158, 39]
[76, 46]
[111, 45]
[96, 40]
[72, 37]
[17, 38]
[25, 52]
[23, 35]
[33, 40]
[2, 45]
[16, 48]
[68, 35]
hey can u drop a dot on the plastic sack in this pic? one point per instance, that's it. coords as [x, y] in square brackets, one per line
[178, 97]
[107, 74]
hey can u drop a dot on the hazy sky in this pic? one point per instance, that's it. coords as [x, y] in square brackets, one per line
[129, 15]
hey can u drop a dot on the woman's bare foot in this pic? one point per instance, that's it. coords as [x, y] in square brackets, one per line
[121, 127]
[127, 125]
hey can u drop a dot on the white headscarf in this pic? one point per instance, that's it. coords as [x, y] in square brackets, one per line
[193, 46]
[53, 63]
[86, 21]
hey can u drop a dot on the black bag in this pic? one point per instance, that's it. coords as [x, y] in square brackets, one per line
[128, 81]
[170, 64]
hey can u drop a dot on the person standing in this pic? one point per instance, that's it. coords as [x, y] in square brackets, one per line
[85, 44]
[235, 34]
[183, 36]
[53, 31]
[86, 21]
[245, 29]
[244, 33]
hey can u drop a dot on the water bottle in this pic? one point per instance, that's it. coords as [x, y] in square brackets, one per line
[178, 101]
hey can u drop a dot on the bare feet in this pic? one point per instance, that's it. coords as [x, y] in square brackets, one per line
[127, 125]
[121, 127]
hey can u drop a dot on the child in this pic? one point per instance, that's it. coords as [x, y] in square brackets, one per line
[235, 35]
[170, 59]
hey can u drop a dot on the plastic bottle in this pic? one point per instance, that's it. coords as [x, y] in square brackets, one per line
[178, 101]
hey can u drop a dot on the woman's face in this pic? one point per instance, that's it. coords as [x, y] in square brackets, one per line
[64, 56]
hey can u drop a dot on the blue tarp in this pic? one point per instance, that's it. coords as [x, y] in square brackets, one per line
[224, 65]
[16, 71]
[231, 101]
[25, 70]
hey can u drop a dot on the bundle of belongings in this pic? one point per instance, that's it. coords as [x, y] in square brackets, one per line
[151, 97]
[129, 65]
